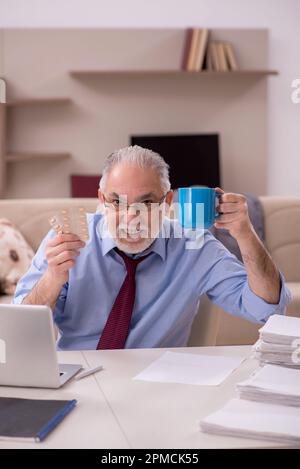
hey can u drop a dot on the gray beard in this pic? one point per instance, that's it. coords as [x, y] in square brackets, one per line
[133, 248]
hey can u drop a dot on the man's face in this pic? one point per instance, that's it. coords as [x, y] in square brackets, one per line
[135, 228]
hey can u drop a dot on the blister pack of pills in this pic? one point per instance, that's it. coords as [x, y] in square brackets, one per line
[71, 220]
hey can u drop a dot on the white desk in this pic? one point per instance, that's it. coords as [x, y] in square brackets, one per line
[90, 425]
[115, 411]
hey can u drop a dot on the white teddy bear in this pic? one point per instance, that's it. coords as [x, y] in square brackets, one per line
[15, 256]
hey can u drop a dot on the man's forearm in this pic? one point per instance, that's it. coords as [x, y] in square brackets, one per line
[263, 275]
[45, 292]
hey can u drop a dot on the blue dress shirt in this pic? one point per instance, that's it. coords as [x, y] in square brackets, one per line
[169, 283]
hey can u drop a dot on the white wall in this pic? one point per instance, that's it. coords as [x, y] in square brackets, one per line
[280, 16]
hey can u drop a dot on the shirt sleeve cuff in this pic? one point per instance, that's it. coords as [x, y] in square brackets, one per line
[17, 300]
[261, 309]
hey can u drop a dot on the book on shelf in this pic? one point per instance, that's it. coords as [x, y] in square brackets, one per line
[221, 57]
[186, 48]
[201, 49]
[208, 61]
[230, 56]
[214, 56]
[194, 49]
[199, 53]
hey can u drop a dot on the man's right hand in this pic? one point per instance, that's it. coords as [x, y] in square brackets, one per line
[61, 253]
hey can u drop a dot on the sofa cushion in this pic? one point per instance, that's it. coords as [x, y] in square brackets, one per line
[15, 256]
[5, 299]
[293, 309]
[32, 216]
[282, 222]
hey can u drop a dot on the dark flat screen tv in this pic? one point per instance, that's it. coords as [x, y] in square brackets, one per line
[193, 159]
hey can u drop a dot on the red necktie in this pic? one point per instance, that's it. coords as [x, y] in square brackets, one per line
[116, 329]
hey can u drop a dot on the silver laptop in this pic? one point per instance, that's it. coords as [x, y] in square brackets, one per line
[27, 348]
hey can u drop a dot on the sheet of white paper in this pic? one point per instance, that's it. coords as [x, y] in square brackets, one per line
[187, 368]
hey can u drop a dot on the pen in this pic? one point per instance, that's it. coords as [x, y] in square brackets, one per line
[88, 372]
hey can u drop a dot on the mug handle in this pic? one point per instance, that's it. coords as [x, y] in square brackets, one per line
[217, 196]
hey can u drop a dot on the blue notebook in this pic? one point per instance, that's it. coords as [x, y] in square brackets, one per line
[31, 419]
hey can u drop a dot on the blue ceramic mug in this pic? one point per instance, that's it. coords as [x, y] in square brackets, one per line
[197, 207]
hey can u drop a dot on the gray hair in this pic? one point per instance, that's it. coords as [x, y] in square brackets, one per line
[143, 157]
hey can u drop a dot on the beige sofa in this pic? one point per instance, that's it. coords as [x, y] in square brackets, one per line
[212, 326]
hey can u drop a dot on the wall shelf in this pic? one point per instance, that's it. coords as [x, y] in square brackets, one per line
[95, 62]
[87, 73]
[17, 157]
[37, 101]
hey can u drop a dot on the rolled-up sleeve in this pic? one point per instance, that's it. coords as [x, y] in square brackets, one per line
[228, 287]
[261, 309]
[33, 275]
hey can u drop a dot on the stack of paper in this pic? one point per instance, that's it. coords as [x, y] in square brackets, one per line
[279, 341]
[269, 404]
[250, 419]
[272, 384]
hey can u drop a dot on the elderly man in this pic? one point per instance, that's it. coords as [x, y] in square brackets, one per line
[131, 286]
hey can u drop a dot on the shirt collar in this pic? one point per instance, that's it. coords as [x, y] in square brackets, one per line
[108, 243]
